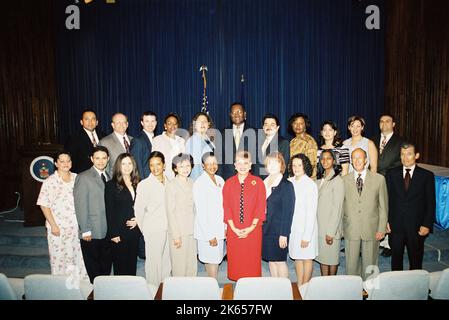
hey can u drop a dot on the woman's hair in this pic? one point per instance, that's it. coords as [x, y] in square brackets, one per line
[243, 154]
[276, 156]
[321, 171]
[207, 155]
[181, 157]
[352, 119]
[293, 119]
[337, 139]
[195, 118]
[308, 169]
[174, 115]
[60, 153]
[117, 172]
[156, 154]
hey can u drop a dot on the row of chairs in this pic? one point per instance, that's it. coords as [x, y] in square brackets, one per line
[394, 285]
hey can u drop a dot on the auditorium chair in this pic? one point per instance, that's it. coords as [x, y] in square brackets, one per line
[190, 288]
[339, 287]
[263, 288]
[439, 285]
[398, 285]
[55, 287]
[123, 288]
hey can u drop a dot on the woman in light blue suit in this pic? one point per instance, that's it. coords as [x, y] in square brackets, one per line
[331, 194]
[199, 143]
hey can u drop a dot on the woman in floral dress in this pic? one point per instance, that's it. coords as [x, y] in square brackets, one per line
[57, 204]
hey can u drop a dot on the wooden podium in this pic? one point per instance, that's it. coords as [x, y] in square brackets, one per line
[31, 187]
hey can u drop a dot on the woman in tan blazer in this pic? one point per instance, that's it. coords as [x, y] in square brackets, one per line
[151, 218]
[331, 194]
[181, 216]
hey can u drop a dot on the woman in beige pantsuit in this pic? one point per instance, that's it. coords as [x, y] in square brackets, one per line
[331, 194]
[181, 216]
[151, 217]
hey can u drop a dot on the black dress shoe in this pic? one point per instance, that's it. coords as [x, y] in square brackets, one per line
[386, 252]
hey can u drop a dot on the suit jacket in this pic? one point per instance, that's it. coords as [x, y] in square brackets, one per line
[331, 195]
[180, 208]
[115, 148]
[149, 206]
[282, 146]
[414, 208]
[391, 155]
[365, 214]
[227, 169]
[141, 148]
[280, 209]
[119, 209]
[89, 204]
[80, 147]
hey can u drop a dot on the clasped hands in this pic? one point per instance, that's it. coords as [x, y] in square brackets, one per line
[243, 233]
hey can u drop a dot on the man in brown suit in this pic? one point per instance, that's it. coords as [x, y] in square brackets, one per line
[365, 216]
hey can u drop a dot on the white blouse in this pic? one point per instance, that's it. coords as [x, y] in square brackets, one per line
[208, 199]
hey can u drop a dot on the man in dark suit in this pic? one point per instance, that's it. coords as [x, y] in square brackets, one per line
[81, 143]
[88, 194]
[411, 191]
[271, 142]
[141, 145]
[238, 137]
[389, 144]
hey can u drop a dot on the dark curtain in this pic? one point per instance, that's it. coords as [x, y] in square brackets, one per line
[311, 56]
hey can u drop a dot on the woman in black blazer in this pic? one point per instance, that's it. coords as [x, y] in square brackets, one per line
[280, 208]
[120, 193]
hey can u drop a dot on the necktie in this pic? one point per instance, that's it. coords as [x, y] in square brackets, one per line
[383, 143]
[265, 146]
[407, 179]
[237, 138]
[103, 177]
[94, 142]
[211, 146]
[242, 187]
[125, 142]
[359, 184]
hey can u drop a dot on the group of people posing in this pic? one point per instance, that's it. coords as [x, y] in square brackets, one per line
[249, 194]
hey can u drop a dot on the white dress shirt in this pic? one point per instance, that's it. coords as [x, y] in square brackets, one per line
[382, 137]
[120, 139]
[412, 169]
[363, 176]
[90, 133]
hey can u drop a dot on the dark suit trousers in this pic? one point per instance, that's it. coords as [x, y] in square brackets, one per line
[415, 250]
[124, 254]
[97, 257]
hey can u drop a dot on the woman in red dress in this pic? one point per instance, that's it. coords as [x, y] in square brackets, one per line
[244, 205]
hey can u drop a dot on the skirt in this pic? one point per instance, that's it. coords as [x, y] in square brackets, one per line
[328, 254]
[209, 254]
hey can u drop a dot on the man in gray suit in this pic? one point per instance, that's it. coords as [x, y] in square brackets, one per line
[118, 141]
[365, 216]
[91, 215]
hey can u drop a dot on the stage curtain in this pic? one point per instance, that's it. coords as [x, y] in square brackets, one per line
[311, 56]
